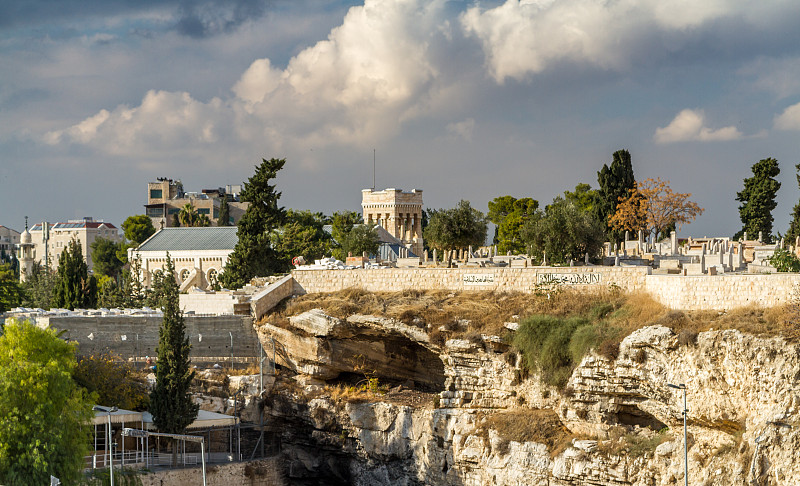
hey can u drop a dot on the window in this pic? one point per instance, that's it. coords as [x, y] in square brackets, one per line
[184, 274]
[205, 211]
[216, 213]
[171, 211]
[156, 194]
[155, 212]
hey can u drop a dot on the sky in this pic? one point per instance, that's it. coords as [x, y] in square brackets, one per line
[462, 99]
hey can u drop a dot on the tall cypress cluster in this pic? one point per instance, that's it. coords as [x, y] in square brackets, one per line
[74, 287]
[170, 401]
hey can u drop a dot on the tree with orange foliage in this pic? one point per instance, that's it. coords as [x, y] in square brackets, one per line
[652, 206]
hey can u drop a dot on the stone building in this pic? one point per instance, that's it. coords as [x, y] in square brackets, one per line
[50, 239]
[166, 197]
[199, 254]
[8, 239]
[398, 212]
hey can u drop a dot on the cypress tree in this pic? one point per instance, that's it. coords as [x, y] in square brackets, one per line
[615, 182]
[758, 200]
[224, 218]
[253, 255]
[74, 287]
[170, 401]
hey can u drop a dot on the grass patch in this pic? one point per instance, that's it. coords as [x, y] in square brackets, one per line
[528, 425]
[632, 443]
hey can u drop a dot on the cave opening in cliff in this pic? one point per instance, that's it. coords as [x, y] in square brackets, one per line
[632, 415]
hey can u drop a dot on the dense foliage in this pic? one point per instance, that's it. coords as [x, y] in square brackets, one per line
[114, 382]
[138, 228]
[105, 260]
[224, 218]
[794, 224]
[758, 200]
[615, 183]
[456, 228]
[509, 214]
[74, 287]
[302, 235]
[563, 232]
[784, 261]
[44, 414]
[254, 255]
[11, 293]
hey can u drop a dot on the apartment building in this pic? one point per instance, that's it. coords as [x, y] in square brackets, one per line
[166, 197]
[50, 239]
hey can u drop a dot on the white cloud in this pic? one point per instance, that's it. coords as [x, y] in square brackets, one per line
[521, 38]
[789, 119]
[689, 125]
[358, 85]
[163, 120]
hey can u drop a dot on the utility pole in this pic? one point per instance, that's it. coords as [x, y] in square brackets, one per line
[682, 386]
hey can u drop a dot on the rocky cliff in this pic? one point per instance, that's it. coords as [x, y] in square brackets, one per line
[467, 413]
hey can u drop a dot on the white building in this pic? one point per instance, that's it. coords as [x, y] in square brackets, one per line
[50, 239]
[199, 254]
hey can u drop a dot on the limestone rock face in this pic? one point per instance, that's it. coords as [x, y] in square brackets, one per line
[324, 347]
[742, 393]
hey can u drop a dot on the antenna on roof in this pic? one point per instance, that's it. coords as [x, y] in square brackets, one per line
[373, 169]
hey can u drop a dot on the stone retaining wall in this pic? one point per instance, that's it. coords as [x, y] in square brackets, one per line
[721, 292]
[700, 292]
[495, 278]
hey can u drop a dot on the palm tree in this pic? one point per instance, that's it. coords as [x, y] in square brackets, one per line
[188, 215]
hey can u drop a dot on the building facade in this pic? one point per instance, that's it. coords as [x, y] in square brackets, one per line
[398, 212]
[9, 239]
[199, 254]
[50, 239]
[166, 197]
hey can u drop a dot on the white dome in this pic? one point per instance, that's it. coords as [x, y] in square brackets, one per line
[25, 237]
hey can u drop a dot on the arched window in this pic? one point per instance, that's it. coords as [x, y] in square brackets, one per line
[212, 277]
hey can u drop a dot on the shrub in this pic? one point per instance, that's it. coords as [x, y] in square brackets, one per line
[687, 337]
[544, 343]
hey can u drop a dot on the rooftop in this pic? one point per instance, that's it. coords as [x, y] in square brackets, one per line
[177, 239]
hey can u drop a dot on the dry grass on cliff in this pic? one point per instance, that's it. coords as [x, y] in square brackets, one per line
[461, 313]
[527, 425]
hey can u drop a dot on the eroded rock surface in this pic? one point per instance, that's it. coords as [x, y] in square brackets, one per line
[742, 396]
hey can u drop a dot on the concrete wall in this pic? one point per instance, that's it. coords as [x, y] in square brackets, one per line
[133, 337]
[471, 278]
[265, 472]
[216, 303]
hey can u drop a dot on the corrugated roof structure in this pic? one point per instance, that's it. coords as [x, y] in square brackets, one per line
[177, 239]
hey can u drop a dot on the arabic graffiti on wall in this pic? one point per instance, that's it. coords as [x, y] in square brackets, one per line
[478, 278]
[569, 278]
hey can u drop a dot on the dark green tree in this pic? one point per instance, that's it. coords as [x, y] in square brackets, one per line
[758, 200]
[456, 228]
[224, 218]
[794, 225]
[104, 258]
[584, 198]
[509, 214]
[615, 182]
[361, 238]
[44, 428]
[39, 287]
[170, 401]
[301, 235]
[74, 287]
[254, 255]
[138, 228]
[11, 293]
[564, 232]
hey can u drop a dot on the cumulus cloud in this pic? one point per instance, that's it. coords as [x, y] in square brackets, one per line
[356, 86]
[689, 125]
[163, 120]
[789, 119]
[521, 38]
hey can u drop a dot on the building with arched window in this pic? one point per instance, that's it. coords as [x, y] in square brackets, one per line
[199, 254]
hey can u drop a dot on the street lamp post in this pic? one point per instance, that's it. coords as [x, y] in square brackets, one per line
[682, 386]
[108, 412]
